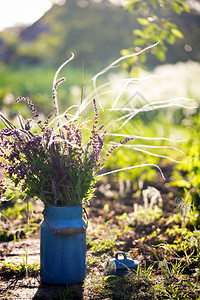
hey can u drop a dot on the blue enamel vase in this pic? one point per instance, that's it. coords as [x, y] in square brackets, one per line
[63, 245]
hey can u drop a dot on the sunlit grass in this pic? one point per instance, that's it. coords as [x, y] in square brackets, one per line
[36, 82]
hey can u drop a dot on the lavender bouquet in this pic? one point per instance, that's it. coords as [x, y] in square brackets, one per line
[51, 160]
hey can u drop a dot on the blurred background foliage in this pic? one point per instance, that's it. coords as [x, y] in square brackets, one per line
[97, 31]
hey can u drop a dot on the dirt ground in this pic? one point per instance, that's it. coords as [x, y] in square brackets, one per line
[19, 286]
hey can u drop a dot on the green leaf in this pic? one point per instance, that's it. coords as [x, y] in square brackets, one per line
[143, 58]
[183, 5]
[182, 183]
[176, 7]
[133, 5]
[125, 52]
[139, 42]
[163, 35]
[160, 55]
[139, 32]
[143, 21]
[186, 7]
[171, 39]
[177, 33]
[154, 4]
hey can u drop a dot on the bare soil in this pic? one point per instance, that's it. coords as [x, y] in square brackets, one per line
[15, 285]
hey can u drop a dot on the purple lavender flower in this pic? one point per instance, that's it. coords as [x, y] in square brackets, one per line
[126, 140]
[53, 164]
[31, 105]
[96, 116]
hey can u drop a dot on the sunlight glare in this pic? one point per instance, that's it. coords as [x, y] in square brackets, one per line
[22, 12]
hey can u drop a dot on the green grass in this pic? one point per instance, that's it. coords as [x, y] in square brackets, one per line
[17, 220]
[36, 83]
[23, 268]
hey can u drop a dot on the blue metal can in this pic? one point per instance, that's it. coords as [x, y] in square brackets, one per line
[120, 265]
[63, 245]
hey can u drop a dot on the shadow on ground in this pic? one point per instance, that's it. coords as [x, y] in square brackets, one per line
[70, 291]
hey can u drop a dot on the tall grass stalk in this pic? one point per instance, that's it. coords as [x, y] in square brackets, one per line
[132, 112]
